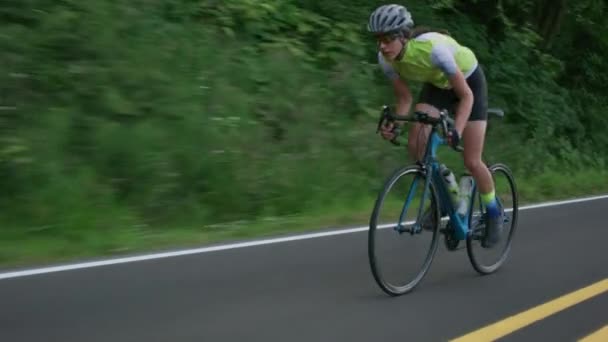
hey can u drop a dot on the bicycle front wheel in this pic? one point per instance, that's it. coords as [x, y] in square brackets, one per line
[400, 252]
[486, 261]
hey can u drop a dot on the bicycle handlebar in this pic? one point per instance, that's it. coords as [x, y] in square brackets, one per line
[443, 120]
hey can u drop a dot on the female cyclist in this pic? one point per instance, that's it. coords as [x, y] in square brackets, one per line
[452, 79]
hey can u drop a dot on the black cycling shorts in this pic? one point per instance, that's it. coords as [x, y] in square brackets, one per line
[447, 98]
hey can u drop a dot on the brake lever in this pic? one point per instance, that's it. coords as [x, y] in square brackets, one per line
[397, 132]
[382, 118]
[449, 121]
[444, 122]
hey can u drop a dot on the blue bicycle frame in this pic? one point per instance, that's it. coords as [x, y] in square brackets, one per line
[431, 166]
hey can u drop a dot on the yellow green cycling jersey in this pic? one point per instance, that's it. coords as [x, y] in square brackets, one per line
[431, 58]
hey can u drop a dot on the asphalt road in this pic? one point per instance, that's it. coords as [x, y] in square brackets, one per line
[320, 289]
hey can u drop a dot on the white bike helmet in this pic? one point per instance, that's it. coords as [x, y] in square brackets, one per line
[390, 19]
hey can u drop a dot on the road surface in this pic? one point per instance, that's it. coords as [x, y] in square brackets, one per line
[321, 289]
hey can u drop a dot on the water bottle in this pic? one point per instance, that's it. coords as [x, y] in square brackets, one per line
[466, 186]
[450, 181]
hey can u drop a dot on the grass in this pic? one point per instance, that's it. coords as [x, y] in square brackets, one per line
[19, 248]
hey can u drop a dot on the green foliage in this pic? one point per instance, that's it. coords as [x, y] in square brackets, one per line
[282, 25]
[144, 114]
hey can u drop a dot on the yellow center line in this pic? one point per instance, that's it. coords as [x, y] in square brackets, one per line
[508, 325]
[598, 336]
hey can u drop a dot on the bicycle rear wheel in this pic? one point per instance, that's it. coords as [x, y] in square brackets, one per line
[486, 261]
[400, 253]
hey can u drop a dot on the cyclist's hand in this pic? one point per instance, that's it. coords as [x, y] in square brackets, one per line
[387, 131]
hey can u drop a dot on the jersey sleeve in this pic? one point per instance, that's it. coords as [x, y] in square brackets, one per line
[443, 58]
[388, 69]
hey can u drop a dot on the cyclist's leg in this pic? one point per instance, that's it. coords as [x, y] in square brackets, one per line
[474, 139]
[430, 100]
[419, 133]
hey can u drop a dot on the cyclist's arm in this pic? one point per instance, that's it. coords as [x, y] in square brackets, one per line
[465, 105]
[443, 58]
[403, 94]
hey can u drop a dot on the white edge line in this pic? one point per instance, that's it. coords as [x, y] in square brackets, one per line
[30, 272]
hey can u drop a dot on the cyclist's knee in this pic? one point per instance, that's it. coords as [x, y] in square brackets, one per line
[473, 164]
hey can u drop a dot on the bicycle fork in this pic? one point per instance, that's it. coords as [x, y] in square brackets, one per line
[417, 226]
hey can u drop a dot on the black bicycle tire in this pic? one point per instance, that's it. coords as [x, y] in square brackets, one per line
[483, 269]
[375, 268]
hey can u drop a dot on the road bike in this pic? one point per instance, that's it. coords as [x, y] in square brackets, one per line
[460, 225]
